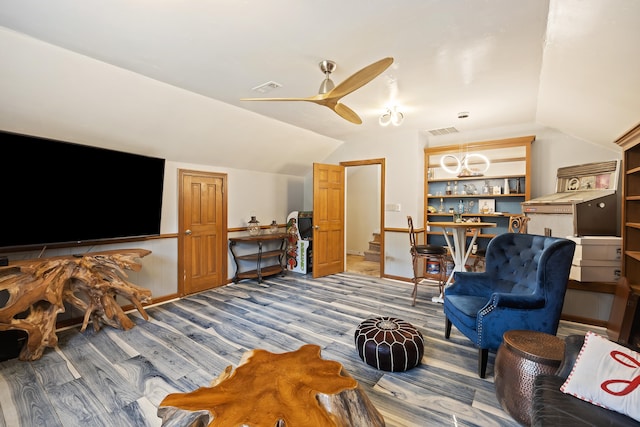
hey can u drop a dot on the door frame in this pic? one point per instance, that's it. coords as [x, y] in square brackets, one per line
[370, 162]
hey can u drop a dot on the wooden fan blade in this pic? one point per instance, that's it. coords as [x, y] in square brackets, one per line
[311, 99]
[360, 78]
[347, 113]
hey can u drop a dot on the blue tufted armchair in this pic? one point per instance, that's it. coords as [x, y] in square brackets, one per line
[523, 287]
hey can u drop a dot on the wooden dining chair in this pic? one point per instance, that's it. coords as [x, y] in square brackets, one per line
[518, 223]
[427, 253]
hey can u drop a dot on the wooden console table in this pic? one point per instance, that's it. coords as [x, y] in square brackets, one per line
[38, 288]
[268, 262]
[297, 388]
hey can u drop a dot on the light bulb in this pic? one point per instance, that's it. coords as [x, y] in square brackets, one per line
[397, 118]
[385, 119]
[392, 115]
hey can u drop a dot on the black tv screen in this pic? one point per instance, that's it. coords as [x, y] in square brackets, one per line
[56, 192]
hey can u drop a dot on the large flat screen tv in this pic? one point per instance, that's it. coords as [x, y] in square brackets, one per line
[62, 193]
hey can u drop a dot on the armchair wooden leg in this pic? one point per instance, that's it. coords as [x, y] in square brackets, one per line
[483, 357]
[447, 328]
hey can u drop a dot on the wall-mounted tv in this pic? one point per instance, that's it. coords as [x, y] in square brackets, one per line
[56, 192]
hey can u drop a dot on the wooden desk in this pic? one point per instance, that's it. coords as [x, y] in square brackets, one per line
[458, 248]
[298, 388]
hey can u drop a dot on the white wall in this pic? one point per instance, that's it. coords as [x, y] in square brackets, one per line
[267, 196]
[404, 155]
[50, 92]
[362, 207]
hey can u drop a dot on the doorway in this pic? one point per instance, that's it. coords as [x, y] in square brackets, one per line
[364, 217]
[202, 231]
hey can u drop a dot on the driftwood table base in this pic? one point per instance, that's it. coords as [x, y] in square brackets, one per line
[38, 288]
[288, 389]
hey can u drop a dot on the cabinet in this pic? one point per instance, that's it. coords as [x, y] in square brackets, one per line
[624, 322]
[259, 256]
[491, 189]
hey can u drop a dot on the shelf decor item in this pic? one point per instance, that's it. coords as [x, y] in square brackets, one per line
[253, 226]
[487, 206]
[273, 227]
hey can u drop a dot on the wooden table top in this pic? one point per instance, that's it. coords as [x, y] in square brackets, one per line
[297, 387]
[259, 237]
[451, 224]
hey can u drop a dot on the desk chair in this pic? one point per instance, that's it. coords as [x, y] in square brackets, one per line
[428, 253]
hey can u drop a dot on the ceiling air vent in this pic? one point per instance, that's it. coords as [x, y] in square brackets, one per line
[266, 87]
[443, 131]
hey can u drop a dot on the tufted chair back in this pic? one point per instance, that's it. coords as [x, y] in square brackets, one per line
[523, 287]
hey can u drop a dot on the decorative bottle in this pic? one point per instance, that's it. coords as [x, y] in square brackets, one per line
[455, 187]
[253, 226]
[273, 227]
[447, 189]
[485, 188]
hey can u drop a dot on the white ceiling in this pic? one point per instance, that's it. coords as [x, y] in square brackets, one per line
[573, 65]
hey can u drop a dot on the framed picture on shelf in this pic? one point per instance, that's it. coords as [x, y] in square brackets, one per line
[487, 206]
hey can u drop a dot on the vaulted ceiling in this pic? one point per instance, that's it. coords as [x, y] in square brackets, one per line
[573, 65]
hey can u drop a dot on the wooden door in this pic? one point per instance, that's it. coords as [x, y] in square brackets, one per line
[202, 240]
[328, 219]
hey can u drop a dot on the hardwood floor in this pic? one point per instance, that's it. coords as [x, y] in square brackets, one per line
[358, 265]
[118, 378]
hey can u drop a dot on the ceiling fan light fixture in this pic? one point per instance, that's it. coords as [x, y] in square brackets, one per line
[385, 119]
[391, 116]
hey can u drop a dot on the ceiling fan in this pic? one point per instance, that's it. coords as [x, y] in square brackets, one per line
[330, 96]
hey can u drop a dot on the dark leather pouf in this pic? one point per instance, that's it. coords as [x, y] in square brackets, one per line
[389, 344]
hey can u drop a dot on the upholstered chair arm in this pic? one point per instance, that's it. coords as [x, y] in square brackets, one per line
[504, 312]
[468, 283]
[518, 301]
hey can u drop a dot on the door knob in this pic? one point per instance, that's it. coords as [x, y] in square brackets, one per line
[187, 232]
[317, 227]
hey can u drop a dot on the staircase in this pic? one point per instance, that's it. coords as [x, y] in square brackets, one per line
[373, 253]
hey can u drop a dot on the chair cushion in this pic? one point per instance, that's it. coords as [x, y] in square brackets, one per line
[431, 250]
[468, 306]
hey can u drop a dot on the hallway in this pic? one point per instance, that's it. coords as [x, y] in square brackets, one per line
[358, 265]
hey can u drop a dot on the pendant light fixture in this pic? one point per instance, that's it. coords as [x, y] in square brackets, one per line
[391, 116]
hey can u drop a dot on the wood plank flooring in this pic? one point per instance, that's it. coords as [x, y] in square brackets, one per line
[118, 378]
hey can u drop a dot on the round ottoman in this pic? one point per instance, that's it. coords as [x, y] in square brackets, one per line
[520, 358]
[389, 344]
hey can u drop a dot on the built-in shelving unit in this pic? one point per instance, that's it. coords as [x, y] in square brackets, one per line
[624, 322]
[491, 195]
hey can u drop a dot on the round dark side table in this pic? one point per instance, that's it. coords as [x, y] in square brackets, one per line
[520, 358]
